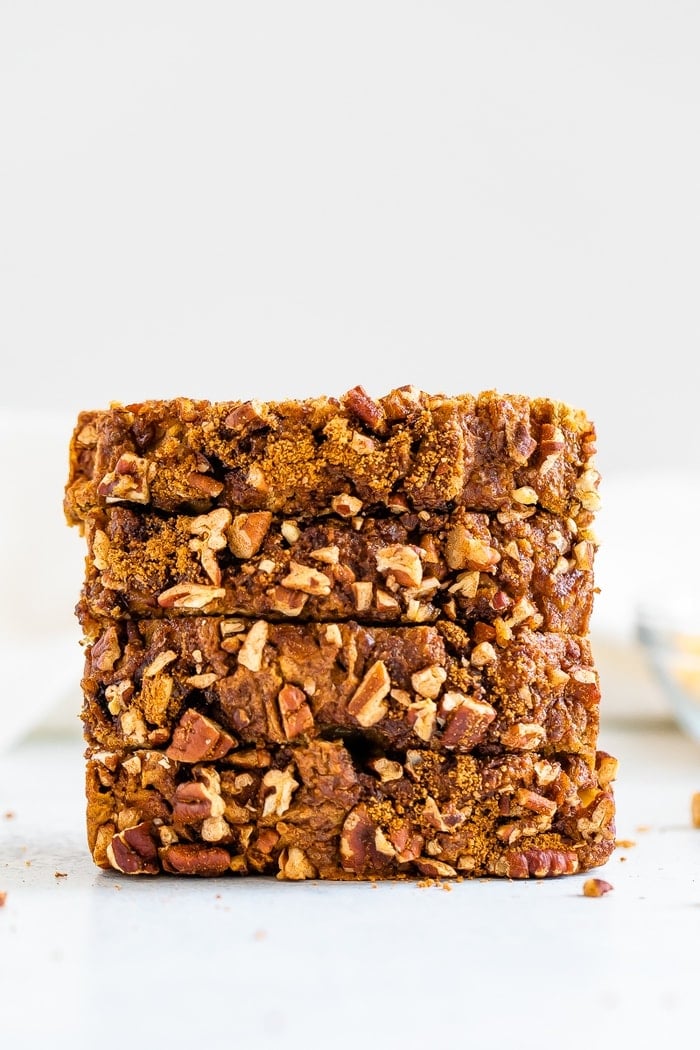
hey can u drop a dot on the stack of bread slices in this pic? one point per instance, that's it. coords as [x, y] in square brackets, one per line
[341, 638]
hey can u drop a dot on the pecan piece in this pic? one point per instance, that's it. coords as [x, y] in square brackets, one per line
[134, 850]
[367, 703]
[435, 869]
[128, 482]
[463, 551]
[251, 652]
[247, 532]
[466, 720]
[295, 711]
[106, 651]
[294, 864]
[402, 562]
[596, 887]
[278, 786]
[367, 410]
[190, 596]
[521, 864]
[197, 739]
[363, 846]
[192, 859]
[208, 538]
[306, 579]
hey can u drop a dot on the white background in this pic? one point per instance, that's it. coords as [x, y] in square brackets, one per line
[275, 199]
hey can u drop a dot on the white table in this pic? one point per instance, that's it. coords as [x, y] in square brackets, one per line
[88, 958]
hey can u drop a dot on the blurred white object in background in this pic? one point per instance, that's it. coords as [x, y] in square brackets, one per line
[648, 560]
[41, 570]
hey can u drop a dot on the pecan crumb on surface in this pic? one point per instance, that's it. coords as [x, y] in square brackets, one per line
[60, 874]
[9, 815]
[625, 843]
[596, 887]
[3, 898]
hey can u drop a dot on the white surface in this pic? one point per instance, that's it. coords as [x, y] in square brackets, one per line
[285, 198]
[94, 959]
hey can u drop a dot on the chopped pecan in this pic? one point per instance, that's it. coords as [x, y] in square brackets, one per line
[463, 551]
[294, 864]
[435, 869]
[208, 532]
[106, 650]
[422, 715]
[288, 602]
[523, 736]
[192, 859]
[306, 579]
[521, 864]
[429, 681]
[367, 703]
[386, 769]
[483, 654]
[466, 720]
[362, 592]
[190, 596]
[402, 562]
[367, 410]
[346, 506]
[251, 652]
[128, 482]
[198, 800]
[363, 846]
[596, 887]
[327, 555]
[295, 711]
[278, 786]
[197, 739]
[204, 485]
[134, 850]
[251, 415]
[247, 532]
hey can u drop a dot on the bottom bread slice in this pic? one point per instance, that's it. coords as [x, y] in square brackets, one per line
[337, 810]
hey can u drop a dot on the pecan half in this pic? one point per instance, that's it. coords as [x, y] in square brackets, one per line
[192, 859]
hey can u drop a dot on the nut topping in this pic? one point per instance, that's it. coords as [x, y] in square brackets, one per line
[251, 652]
[198, 739]
[403, 562]
[190, 596]
[208, 532]
[278, 786]
[128, 482]
[304, 578]
[134, 851]
[367, 703]
[247, 532]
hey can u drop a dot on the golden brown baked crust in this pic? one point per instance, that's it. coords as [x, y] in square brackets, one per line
[534, 568]
[332, 811]
[407, 449]
[171, 682]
